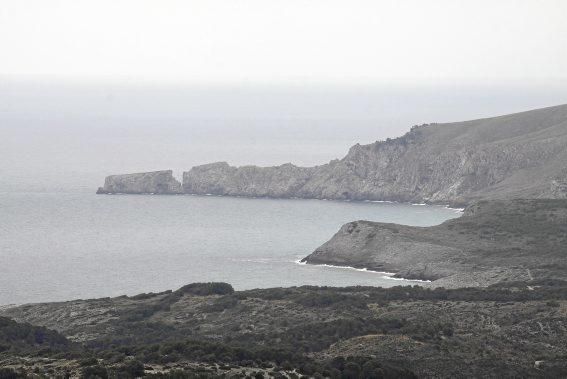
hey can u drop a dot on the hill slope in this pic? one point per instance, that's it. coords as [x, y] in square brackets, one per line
[506, 331]
[493, 241]
[515, 156]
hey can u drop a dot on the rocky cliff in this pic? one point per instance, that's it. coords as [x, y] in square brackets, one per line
[523, 155]
[516, 156]
[506, 331]
[494, 241]
[158, 182]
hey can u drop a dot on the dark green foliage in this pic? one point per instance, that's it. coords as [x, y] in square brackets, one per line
[130, 369]
[165, 300]
[26, 338]
[330, 299]
[94, 372]
[360, 296]
[8, 373]
[91, 361]
[361, 367]
[145, 311]
[206, 289]
[287, 328]
[178, 374]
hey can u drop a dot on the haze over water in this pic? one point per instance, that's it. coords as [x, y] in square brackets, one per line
[59, 241]
[67, 136]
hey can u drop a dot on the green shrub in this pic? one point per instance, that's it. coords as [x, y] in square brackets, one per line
[94, 372]
[8, 373]
[206, 289]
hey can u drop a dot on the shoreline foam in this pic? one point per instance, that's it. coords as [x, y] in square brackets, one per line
[385, 275]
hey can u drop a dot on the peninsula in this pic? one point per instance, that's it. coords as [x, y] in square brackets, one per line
[493, 242]
[521, 155]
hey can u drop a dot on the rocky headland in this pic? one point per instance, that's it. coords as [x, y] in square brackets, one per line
[156, 182]
[500, 160]
[521, 155]
[494, 241]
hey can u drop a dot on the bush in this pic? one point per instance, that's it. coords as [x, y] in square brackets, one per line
[8, 373]
[206, 289]
[88, 362]
[94, 372]
[132, 369]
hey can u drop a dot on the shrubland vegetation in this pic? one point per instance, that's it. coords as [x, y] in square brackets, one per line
[283, 331]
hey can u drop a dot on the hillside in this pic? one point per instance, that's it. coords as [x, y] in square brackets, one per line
[209, 330]
[520, 155]
[494, 241]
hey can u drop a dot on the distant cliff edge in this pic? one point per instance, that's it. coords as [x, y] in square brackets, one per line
[157, 182]
[522, 155]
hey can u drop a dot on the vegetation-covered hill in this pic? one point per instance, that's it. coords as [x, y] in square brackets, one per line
[208, 330]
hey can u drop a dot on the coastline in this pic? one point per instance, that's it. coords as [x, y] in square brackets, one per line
[385, 275]
[443, 205]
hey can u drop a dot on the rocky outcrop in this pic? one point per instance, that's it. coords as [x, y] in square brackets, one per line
[494, 241]
[521, 155]
[219, 178]
[157, 182]
[514, 156]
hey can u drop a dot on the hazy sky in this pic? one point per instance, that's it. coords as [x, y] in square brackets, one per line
[92, 88]
[287, 41]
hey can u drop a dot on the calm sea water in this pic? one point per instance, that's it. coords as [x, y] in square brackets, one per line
[60, 246]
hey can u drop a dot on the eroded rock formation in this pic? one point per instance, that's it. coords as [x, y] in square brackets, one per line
[157, 182]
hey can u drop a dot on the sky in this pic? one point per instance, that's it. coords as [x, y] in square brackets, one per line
[376, 42]
[100, 87]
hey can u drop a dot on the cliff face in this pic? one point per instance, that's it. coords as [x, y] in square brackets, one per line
[219, 178]
[158, 182]
[522, 155]
[515, 156]
[494, 241]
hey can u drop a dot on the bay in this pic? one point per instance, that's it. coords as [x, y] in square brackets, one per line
[62, 246]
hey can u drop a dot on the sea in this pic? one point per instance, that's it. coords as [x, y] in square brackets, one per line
[60, 241]
[61, 246]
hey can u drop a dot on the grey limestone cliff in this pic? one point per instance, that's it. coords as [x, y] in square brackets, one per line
[219, 178]
[158, 182]
[523, 155]
[516, 156]
[494, 241]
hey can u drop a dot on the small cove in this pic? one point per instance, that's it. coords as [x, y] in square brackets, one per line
[62, 246]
